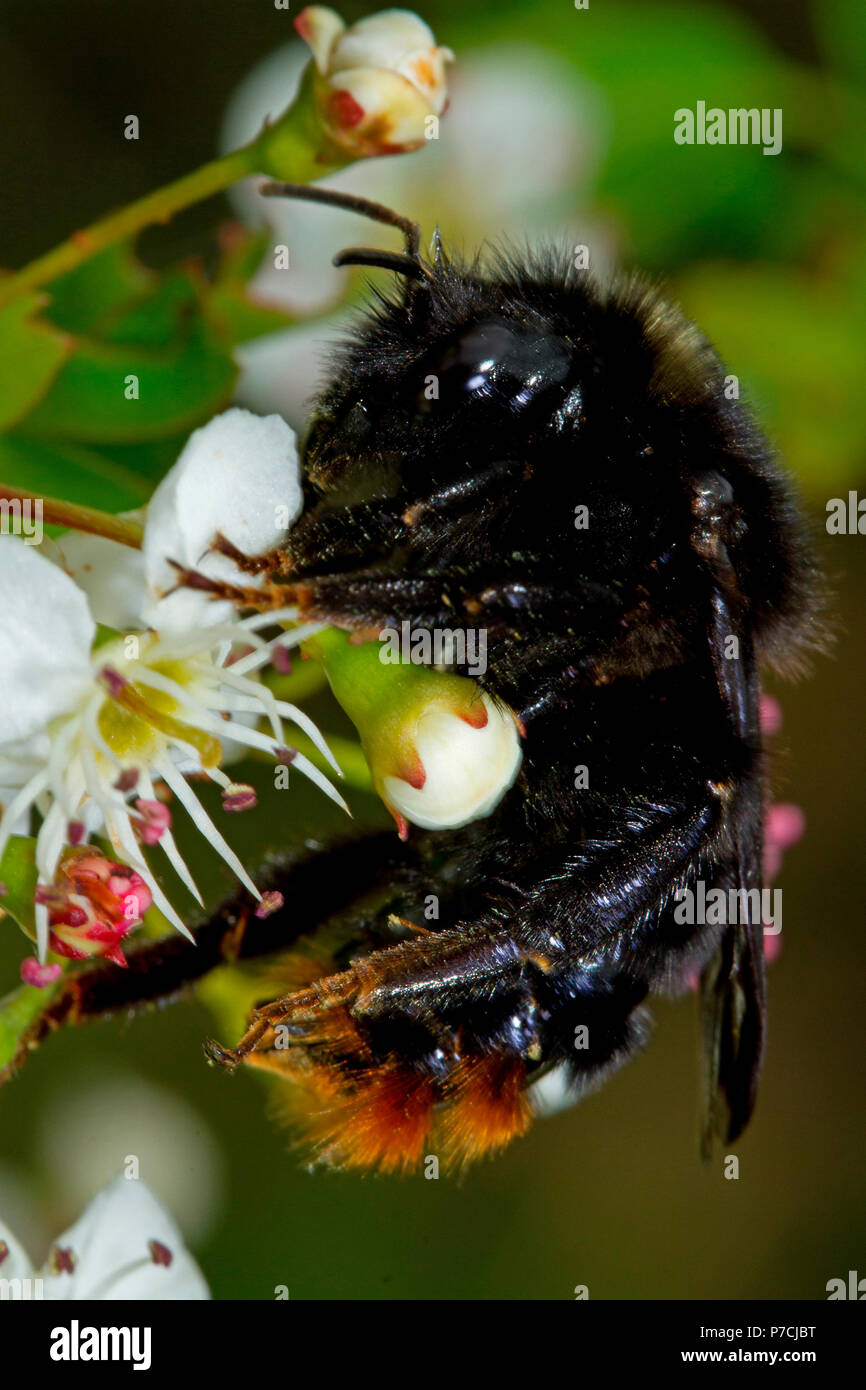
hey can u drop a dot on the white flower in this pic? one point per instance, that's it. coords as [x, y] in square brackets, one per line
[85, 731]
[125, 1247]
[239, 475]
[554, 1092]
[379, 81]
[46, 628]
[465, 767]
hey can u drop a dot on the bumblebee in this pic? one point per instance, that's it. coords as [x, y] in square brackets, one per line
[584, 486]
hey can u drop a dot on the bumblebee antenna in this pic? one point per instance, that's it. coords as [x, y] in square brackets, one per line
[385, 260]
[406, 264]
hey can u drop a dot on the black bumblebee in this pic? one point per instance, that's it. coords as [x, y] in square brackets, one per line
[581, 485]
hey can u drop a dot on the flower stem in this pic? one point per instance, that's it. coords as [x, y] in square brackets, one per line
[154, 207]
[96, 523]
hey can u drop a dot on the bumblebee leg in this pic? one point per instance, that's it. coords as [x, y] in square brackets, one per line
[504, 607]
[439, 1036]
[245, 596]
[316, 887]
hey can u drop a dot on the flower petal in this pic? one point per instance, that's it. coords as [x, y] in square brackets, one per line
[373, 110]
[111, 575]
[553, 1092]
[320, 27]
[46, 632]
[239, 476]
[383, 40]
[125, 1246]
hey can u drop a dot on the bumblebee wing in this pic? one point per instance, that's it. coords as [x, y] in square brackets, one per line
[733, 984]
[733, 989]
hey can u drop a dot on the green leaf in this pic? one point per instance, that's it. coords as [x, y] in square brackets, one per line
[242, 318]
[18, 875]
[81, 299]
[841, 30]
[31, 354]
[158, 317]
[178, 388]
[72, 472]
[146, 459]
[676, 202]
[241, 253]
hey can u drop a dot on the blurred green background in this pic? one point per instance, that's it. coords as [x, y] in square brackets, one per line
[769, 255]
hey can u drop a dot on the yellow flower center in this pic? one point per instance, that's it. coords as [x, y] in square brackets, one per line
[136, 720]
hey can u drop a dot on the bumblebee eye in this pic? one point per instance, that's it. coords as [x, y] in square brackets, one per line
[494, 361]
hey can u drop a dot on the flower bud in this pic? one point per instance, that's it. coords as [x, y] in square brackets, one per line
[441, 752]
[92, 904]
[378, 82]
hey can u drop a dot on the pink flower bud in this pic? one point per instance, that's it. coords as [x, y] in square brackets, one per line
[93, 904]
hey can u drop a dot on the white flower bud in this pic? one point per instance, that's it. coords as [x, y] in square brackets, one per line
[467, 768]
[379, 81]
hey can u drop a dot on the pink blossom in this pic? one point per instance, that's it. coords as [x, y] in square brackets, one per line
[93, 904]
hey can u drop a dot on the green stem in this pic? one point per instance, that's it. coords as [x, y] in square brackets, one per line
[57, 512]
[154, 207]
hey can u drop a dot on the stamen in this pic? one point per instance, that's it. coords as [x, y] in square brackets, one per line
[120, 831]
[304, 722]
[155, 820]
[239, 796]
[19, 804]
[271, 902]
[203, 822]
[175, 648]
[169, 845]
[289, 639]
